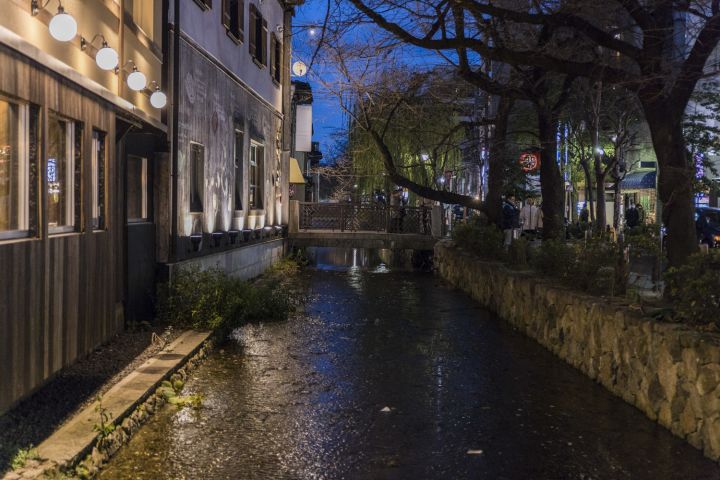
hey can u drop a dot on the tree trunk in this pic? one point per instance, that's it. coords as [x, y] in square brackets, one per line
[588, 190]
[600, 210]
[551, 182]
[496, 162]
[617, 204]
[675, 182]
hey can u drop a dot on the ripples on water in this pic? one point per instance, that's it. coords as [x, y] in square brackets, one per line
[303, 399]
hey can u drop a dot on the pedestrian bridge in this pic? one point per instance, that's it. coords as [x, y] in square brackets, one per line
[349, 225]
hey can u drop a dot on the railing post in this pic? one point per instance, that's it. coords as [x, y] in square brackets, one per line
[294, 220]
[342, 218]
[436, 221]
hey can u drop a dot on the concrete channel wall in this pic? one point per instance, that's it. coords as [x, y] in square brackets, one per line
[669, 371]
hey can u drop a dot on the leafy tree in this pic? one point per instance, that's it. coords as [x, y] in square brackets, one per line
[657, 48]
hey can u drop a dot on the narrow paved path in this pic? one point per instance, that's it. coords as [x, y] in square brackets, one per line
[467, 396]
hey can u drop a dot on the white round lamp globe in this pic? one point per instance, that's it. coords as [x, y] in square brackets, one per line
[106, 58]
[136, 80]
[158, 99]
[63, 26]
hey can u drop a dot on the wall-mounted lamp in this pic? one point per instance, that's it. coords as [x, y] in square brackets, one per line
[158, 99]
[106, 57]
[136, 80]
[63, 26]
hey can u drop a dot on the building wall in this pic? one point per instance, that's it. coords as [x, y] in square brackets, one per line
[94, 17]
[212, 105]
[62, 293]
[244, 263]
[207, 31]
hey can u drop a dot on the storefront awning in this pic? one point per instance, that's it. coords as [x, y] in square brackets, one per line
[638, 180]
[296, 175]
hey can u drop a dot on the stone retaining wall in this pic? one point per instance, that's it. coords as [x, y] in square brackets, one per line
[668, 371]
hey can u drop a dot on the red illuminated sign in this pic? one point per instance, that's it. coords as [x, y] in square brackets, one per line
[529, 161]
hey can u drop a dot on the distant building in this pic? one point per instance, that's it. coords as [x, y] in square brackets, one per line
[305, 152]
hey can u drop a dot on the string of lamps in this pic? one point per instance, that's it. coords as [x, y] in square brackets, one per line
[63, 28]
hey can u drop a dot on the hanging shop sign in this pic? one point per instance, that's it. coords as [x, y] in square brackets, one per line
[529, 161]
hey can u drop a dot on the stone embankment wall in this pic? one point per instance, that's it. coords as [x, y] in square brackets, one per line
[669, 371]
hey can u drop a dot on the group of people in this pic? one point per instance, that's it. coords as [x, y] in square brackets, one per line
[526, 221]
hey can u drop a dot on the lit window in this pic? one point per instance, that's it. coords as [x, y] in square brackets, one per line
[14, 169]
[98, 180]
[257, 156]
[61, 175]
[197, 177]
[238, 160]
[137, 191]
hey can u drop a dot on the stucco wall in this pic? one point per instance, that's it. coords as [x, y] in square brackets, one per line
[206, 29]
[212, 106]
[668, 371]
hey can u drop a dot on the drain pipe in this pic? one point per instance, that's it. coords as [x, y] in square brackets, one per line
[175, 135]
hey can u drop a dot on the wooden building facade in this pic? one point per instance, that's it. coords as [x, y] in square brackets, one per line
[64, 124]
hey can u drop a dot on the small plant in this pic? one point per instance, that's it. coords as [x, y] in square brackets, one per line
[585, 265]
[695, 289]
[554, 258]
[518, 253]
[211, 299]
[486, 241]
[22, 456]
[643, 240]
[105, 426]
[171, 392]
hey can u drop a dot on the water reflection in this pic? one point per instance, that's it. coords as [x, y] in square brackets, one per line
[304, 399]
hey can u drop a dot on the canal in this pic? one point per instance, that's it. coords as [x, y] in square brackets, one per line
[392, 375]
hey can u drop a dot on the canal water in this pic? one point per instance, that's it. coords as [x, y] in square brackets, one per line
[390, 374]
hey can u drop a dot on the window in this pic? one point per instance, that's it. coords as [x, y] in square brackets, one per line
[197, 177]
[98, 180]
[14, 169]
[142, 13]
[137, 189]
[258, 37]
[275, 58]
[61, 174]
[204, 4]
[233, 18]
[257, 157]
[238, 158]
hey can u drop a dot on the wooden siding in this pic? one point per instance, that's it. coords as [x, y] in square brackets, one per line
[61, 295]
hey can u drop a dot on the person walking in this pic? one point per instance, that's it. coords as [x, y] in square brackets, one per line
[632, 216]
[510, 219]
[529, 216]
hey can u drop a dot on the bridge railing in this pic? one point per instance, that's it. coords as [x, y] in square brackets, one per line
[355, 217]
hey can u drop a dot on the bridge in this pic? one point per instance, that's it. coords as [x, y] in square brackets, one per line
[352, 225]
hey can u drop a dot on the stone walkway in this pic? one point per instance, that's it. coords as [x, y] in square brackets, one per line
[77, 436]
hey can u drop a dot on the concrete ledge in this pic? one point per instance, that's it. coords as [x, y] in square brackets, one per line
[669, 371]
[76, 438]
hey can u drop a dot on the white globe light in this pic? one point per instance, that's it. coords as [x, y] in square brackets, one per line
[106, 58]
[63, 26]
[158, 99]
[136, 80]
